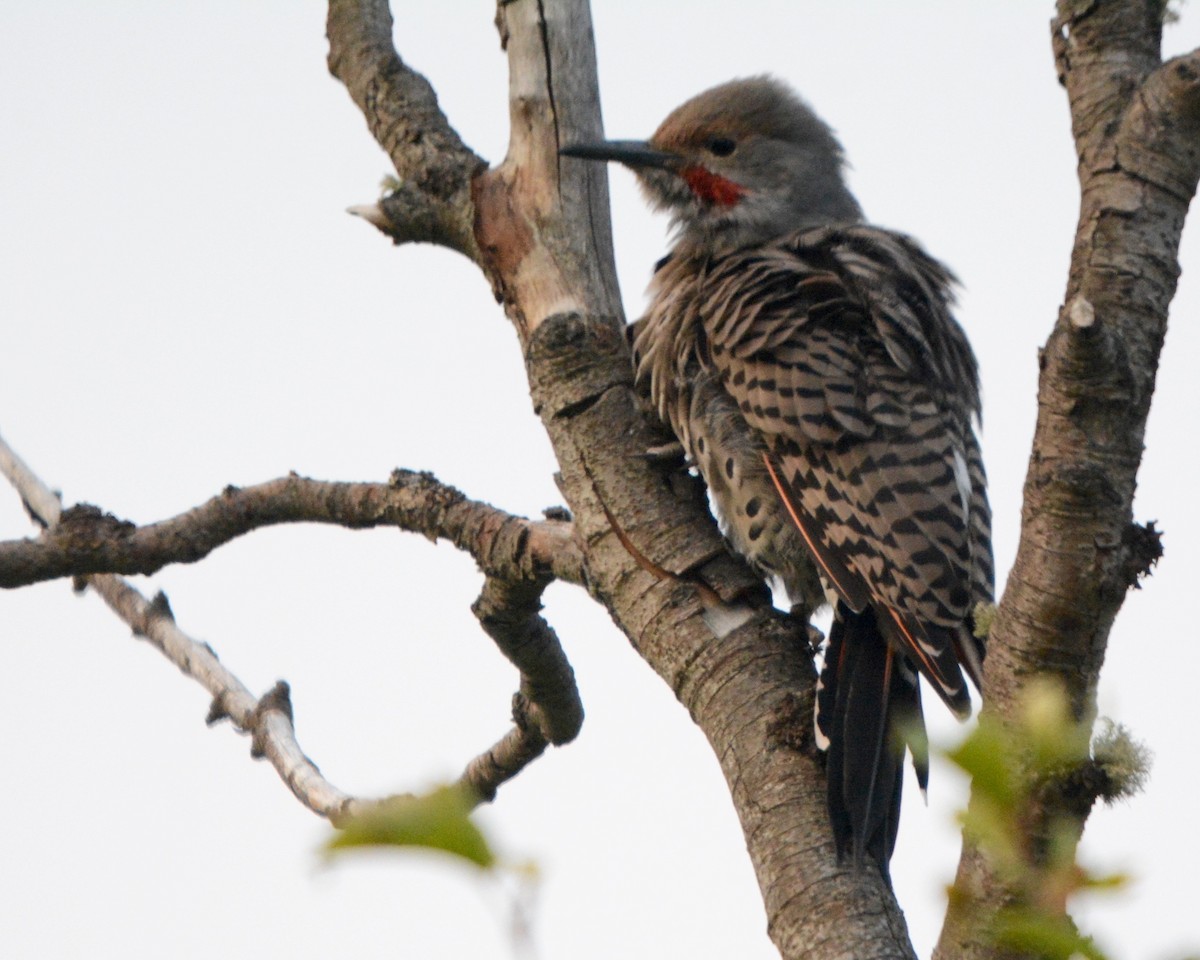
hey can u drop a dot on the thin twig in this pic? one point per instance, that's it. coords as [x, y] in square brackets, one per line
[268, 720]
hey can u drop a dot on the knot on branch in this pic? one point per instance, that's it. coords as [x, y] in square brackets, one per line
[87, 527]
[432, 490]
[147, 621]
[279, 700]
[790, 724]
[434, 497]
[161, 606]
[1088, 379]
[411, 213]
[1091, 355]
[218, 711]
[1143, 548]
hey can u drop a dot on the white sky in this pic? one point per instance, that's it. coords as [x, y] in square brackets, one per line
[186, 305]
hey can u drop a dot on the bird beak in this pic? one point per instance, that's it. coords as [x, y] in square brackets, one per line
[632, 153]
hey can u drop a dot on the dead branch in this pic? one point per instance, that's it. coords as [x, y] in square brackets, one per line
[432, 201]
[85, 540]
[532, 553]
[547, 708]
[268, 721]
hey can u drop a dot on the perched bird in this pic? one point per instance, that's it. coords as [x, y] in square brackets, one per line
[811, 368]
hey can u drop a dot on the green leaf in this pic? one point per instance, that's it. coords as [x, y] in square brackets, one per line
[993, 827]
[986, 757]
[1040, 935]
[439, 820]
[1053, 738]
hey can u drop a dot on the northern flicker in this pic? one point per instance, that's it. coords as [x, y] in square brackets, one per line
[811, 368]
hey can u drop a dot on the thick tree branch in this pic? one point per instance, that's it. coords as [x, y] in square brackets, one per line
[86, 540]
[1137, 130]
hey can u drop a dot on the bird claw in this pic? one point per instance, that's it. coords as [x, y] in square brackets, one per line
[670, 453]
[815, 637]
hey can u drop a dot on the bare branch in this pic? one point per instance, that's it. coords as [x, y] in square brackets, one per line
[511, 754]
[86, 540]
[509, 613]
[547, 708]
[41, 503]
[268, 721]
[433, 200]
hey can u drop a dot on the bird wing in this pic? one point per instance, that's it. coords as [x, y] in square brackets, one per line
[838, 346]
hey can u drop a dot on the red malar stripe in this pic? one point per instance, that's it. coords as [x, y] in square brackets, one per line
[711, 188]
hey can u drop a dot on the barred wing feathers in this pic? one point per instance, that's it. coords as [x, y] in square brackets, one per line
[838, 346]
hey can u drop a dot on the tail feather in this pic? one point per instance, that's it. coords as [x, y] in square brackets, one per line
[869, 711]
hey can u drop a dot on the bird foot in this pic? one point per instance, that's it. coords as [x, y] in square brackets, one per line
[666, 453]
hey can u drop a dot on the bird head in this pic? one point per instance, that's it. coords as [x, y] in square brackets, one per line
[737, 165]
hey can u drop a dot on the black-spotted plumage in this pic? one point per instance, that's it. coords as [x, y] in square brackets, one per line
[858, 432]
[810, 366]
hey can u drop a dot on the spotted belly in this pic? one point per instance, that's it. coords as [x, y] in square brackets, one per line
[752, 517]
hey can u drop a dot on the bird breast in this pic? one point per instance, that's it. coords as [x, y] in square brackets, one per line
[719, 443]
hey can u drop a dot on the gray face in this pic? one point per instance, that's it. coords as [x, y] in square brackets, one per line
[739, 165]
[765, 189]
[750, 162]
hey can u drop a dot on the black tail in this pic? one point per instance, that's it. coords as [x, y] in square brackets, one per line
[869, 711]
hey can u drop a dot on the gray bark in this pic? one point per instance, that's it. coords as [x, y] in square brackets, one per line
[1136, 122]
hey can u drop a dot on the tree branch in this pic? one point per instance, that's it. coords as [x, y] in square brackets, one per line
[86, 540]
[268, 721]
[547, 708]
[1137, 129]
[432, 201]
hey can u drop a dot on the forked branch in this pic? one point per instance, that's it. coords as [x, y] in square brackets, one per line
[529, 553]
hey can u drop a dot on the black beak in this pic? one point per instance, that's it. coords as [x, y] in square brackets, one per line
[632, 153]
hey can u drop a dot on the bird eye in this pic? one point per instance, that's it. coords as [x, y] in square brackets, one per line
[721, 146]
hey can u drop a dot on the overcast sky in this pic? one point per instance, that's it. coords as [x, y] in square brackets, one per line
[185, 304]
